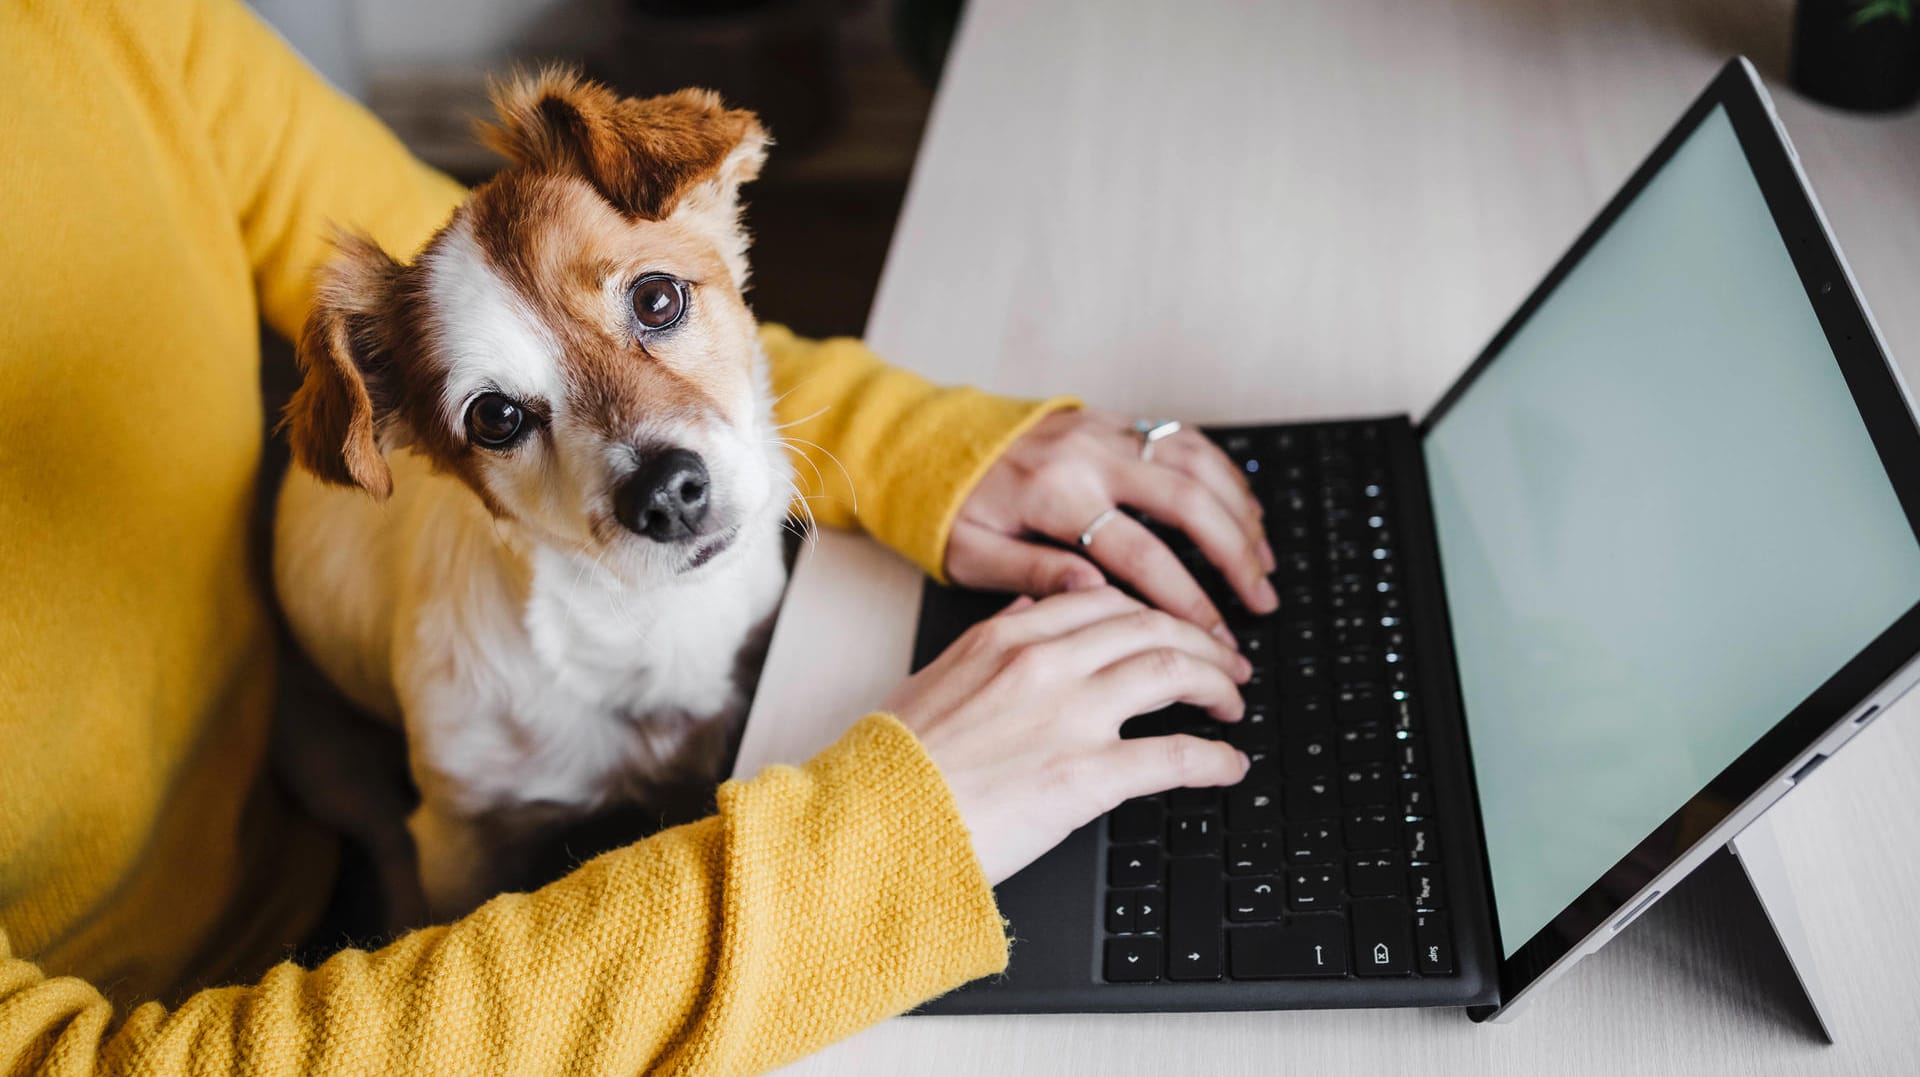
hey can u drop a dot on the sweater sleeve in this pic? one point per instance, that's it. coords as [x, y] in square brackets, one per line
[817, 901]
[885, 449]
[296, 157]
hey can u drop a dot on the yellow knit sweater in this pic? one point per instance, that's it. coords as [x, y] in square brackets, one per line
[167, 172]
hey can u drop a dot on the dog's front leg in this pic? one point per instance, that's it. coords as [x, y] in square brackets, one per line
[456, 869]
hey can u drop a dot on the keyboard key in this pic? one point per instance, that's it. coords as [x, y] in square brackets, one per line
[1407, 753]
[1253, 854]
[1257, 645]
[1377, 875]
[1195, 895]
[1302, 713]
[1302, 677]
[1309, 754]
[1416, 796]
[1365, 744]
[1254, 899]
[1427, 886]
[1298, 639]
[1366, 785]
[1304, 946]
[1421, 840]
[1256, 730]
[1133, 960]
[1194, 835]
[1372, 830]
[1193, 801]
[1313, 843]
[1434, 942]
[1133, 865]
[1150, 910]
[1120, 911]
[1314, 798]
[1311, 889]
[1382, 937]
[1255, 808]
[1137, 820]
[1296, 569]
[1353, 708]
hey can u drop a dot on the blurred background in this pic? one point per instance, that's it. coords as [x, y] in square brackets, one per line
[844, 85]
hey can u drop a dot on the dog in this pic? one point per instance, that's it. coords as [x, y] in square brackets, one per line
[537, 505]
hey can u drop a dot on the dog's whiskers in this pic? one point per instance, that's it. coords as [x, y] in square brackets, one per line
[853, 493]
[804, 418]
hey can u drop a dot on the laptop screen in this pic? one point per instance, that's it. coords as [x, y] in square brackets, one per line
[1662, 525]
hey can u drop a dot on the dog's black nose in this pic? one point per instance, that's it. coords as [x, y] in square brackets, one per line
[666, 499]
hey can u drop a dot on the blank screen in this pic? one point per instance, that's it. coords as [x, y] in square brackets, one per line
[1662, 525]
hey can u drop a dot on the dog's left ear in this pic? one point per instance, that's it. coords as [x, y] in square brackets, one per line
[333, 419]
[647, 156]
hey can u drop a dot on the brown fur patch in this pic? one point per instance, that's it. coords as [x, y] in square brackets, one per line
[330, 420]
[642, 154]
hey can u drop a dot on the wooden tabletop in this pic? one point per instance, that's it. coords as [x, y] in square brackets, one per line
[1262, 211]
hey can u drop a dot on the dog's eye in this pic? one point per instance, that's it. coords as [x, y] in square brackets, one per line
[658, 301]
[495, 421]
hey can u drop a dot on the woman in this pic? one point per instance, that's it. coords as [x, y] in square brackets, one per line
[169, 172]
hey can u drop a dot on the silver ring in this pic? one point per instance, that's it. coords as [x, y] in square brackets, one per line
[1100, 521]
[1152, 430]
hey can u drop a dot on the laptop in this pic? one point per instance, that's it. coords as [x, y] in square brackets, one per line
[1648, 563]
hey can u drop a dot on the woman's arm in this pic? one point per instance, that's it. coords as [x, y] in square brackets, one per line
[882, 448]
[818, 900]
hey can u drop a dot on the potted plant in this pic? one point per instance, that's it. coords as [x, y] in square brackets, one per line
[1857, 54]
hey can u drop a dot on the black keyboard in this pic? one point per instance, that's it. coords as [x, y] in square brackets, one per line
[1324, 861]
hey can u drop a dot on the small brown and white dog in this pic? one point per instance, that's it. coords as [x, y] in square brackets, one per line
[561, 414]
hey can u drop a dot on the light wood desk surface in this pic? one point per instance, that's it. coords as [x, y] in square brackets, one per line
[1261, 211]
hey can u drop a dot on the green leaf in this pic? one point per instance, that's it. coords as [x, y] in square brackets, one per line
[1874, 10]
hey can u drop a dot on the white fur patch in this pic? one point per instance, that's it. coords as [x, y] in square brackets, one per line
[488, 334]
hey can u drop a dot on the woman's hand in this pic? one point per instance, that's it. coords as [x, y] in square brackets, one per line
[1073, 466]
[1022, 715]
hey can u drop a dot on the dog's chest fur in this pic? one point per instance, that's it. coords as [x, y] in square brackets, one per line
[606, 695]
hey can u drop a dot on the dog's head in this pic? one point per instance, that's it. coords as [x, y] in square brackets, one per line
[574, 345]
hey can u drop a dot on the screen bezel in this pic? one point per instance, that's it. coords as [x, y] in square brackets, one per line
[1884, 407]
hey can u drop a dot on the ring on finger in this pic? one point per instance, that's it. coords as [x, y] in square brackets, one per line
[1150, 431]
[1098, 522]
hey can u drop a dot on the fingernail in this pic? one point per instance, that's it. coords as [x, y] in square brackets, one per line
[1221, 633]
[1267, 598]
[1246, 764]
[1245, 669]
[1267, 561]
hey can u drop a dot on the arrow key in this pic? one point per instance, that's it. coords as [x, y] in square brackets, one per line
[1148, 914]
[1133, 960]
[1133, 865]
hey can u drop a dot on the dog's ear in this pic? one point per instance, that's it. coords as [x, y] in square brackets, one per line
[644, 155]
[331, 419]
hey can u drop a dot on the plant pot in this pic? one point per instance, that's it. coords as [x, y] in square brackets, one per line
[1858, 54]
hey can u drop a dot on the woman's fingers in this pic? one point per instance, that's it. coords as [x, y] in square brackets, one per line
[1149, 765]
[1174, 499]
[1101, 643]
[1195, 455]
[1059, 615]
[987, 560]
[1131, 554]
[1159, 677]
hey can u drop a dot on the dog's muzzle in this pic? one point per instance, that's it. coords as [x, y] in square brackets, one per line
[667, 499]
